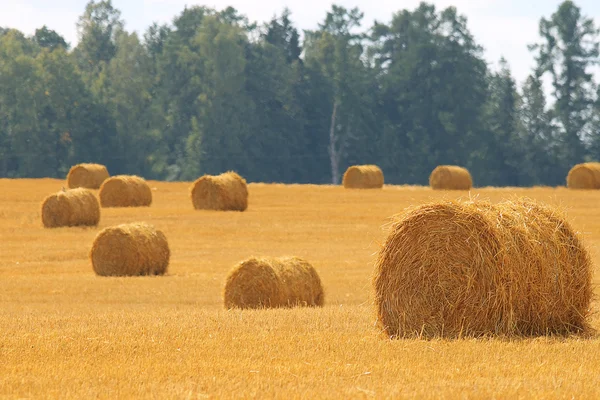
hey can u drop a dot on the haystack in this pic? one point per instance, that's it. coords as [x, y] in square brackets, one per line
[70, 208]
[88, 176]
[125, 191]
[273, 282]
[225, 192]
[450, 177]
[584, 176]
[475, 269]
[130, 250]
[363, 177]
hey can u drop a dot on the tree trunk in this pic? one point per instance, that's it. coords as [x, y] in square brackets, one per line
[334, 151]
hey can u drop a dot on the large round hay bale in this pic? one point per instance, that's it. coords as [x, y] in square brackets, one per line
[76, 207]
[88, 176]
[125, 191]
[130, 250]
[273, 282]
[450, 177]
[225, 192]
[474, 269]
[363, 177]
[584, 176]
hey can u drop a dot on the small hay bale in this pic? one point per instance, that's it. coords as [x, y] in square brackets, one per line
[130, 250]
[125, 191]
[363, 177]
[89, 176]
[450, 177]
[474, 269]
[584, 176]
[76, 207]
[273, 283]
[225, 192]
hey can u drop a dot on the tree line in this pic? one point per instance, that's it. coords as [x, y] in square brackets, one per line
[213, 91]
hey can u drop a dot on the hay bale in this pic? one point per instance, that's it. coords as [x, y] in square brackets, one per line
[474, 269]
[225, 192]
[130, 250]
[88, 176]
[584, 176]
[76, 207]
[363, 177]
[125, 191]
[450, 177]
[272, 283]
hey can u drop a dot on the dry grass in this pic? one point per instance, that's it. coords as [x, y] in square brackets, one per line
[66, 333]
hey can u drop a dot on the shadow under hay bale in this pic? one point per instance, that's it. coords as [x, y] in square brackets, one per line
[225, 192]
[273, 283]
[475, 269]
[76, 207]
[130, 250]
[450, 177]
[89, 176]
[125, 191]
[584, 176]
[363, 177]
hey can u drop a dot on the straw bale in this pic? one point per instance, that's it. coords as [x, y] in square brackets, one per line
[88, 176]
[272, 283]
[454, 269]
[130, 250]
[76, 207]
[125, 191]
[225, 192]
[363, 177]
[450, 177]
[584, 176]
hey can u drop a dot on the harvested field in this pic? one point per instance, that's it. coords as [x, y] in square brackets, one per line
[67, 333]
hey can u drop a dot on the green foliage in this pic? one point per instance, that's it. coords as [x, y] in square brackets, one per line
[48, 38]
[213, 92]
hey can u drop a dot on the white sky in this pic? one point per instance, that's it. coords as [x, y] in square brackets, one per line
[502, 27]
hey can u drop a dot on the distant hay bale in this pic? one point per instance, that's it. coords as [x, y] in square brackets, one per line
[474, 269]
[130, 250]
[363, 177]
[88, 176]
[584, 176]
[272, 283]
[125, 191]
[450, 177]
[76, 207]
[225, 192]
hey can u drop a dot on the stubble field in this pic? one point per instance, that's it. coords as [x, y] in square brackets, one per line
[66, 333]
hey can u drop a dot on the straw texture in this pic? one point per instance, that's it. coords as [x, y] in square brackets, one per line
[363, 177]
[130, 250]
[125, 191]
[273, 282]
[584, 176]
[76, 207]
[474, 269]
[450, 177]
[88, 176]
[225, 192]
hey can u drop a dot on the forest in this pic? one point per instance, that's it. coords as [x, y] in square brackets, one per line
[213, 91]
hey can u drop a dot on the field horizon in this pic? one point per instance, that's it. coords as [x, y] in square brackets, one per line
[67, 333]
